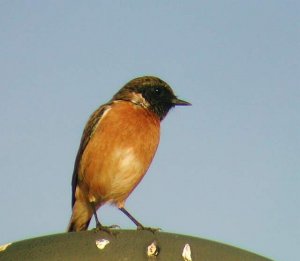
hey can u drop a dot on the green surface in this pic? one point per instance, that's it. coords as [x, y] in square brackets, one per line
[129, 245]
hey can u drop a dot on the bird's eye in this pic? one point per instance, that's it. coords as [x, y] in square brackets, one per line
[157, 91]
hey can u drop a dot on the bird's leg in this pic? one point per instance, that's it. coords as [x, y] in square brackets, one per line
[99, 226]
[137, 223]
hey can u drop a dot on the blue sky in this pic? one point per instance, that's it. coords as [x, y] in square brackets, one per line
[227, 168]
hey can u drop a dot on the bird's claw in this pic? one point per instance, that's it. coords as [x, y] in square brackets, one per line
[107, 229]
[151, 229]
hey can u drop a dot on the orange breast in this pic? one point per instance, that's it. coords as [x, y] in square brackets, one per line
[119, 152]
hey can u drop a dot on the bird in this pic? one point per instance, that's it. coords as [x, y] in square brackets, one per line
[117, 147]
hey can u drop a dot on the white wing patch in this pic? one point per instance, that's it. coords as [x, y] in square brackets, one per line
[102, 117]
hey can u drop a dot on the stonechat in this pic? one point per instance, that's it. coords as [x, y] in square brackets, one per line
[117, 146]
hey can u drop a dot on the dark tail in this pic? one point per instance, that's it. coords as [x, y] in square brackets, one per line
[81, 217]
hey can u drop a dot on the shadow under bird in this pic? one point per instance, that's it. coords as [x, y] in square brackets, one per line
[117, 146]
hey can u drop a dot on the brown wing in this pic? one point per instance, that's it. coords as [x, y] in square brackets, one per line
[86, 136]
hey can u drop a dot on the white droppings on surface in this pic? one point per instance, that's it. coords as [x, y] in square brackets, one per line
[152, 250]
[187, 253]
[3, 247]
[101, 243]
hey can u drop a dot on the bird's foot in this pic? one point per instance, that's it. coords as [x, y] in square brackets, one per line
[112, 230]
[151, 229]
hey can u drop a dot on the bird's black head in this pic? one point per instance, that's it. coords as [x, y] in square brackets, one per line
[150, 92]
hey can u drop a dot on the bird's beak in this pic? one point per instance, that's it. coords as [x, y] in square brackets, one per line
[179, 102]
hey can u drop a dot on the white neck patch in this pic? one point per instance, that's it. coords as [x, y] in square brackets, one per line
[138, 99]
